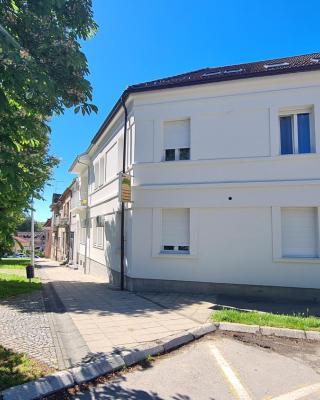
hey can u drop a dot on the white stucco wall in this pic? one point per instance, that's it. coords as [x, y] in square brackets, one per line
[235, 146]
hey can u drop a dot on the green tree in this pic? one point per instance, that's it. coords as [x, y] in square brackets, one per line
[42, 72]
[25, 225]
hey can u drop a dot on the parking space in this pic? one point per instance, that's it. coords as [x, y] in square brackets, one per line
[223, 367]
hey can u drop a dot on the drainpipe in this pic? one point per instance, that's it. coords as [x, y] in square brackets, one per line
[123, 101]
[87, 219]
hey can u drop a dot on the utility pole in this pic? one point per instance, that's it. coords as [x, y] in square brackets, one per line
[32, 234]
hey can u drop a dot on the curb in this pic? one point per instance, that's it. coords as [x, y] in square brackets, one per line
[107, 364]
[268, 331]
[101, 366]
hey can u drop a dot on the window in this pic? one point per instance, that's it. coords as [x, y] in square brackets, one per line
[101, 171]
[296, 133]
[97, 231]
[299, 230]
[96, 174]
[177, 140]
[175, 230]
[111, 164]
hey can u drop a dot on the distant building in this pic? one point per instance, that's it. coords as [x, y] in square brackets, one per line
[21, 245]
[60, 225]
[39, 240]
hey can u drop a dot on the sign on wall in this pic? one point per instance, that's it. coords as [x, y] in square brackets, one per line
[125, 188]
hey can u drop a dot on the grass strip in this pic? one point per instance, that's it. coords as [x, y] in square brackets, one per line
[17, 368]
[299, 321]
[12, 285]
[14, 263]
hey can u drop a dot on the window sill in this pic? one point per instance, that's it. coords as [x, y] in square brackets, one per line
[298, 260]
[300, 155]
[174, 255]
[173, 161]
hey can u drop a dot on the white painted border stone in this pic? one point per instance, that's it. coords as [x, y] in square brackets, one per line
[101, 366]
[313, 335]
[202, 330]
[243, 328]
[283, 332]
[40, 387]
[174, 341]
[110, 363]
[141, 353]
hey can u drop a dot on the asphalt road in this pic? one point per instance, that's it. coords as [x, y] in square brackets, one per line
[223, 367]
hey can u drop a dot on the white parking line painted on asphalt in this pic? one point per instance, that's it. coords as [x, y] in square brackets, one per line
[229, 374]
[299, 393]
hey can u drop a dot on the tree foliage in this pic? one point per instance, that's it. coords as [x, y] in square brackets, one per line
[25, 225]
[42, 72]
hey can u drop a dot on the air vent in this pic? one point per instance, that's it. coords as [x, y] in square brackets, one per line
[270, 66]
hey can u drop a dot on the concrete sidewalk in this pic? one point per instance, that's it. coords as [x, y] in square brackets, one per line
[107, 319]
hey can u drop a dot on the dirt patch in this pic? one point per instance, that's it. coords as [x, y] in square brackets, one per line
[305, 351]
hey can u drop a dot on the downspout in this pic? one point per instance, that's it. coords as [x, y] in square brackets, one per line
[87, 219]
[123, 102]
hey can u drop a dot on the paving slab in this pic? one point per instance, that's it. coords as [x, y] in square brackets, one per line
[110, 320]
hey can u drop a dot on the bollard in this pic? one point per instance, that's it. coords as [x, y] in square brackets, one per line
[30, 272]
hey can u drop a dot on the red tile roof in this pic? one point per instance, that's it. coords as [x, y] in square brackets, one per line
[277, 66]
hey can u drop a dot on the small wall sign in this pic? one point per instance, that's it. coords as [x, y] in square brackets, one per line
[125, 188]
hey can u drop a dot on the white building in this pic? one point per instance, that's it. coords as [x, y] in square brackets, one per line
[225, 166]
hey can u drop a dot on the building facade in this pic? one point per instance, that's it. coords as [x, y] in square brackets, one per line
[47, 228]
[39, 240]
[60, 226]
[224, 165]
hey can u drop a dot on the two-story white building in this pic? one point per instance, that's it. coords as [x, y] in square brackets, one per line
[225, 166]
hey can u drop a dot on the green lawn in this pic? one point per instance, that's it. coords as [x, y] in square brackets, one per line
[14, 263]
[267, 319]
[12, 285]
[17, 368]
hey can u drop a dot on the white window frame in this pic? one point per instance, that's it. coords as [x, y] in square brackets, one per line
[277, 238]
[176, 249]
[177, 149]
[101, 171]
[97, 234]
[111, 178]
[177, 154]
[293, 112]
[157, 250]
[96, 170]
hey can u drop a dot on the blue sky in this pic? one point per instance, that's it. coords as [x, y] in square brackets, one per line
[147, 39]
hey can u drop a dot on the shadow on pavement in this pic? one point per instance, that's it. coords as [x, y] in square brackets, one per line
[115, 391]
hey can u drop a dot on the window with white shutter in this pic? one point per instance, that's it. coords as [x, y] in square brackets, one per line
[101, 171]
[94, 232]
[98, 231]
[299, 230]
[176, 230]
[111, 166]
[96, 170]
[177, 140]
